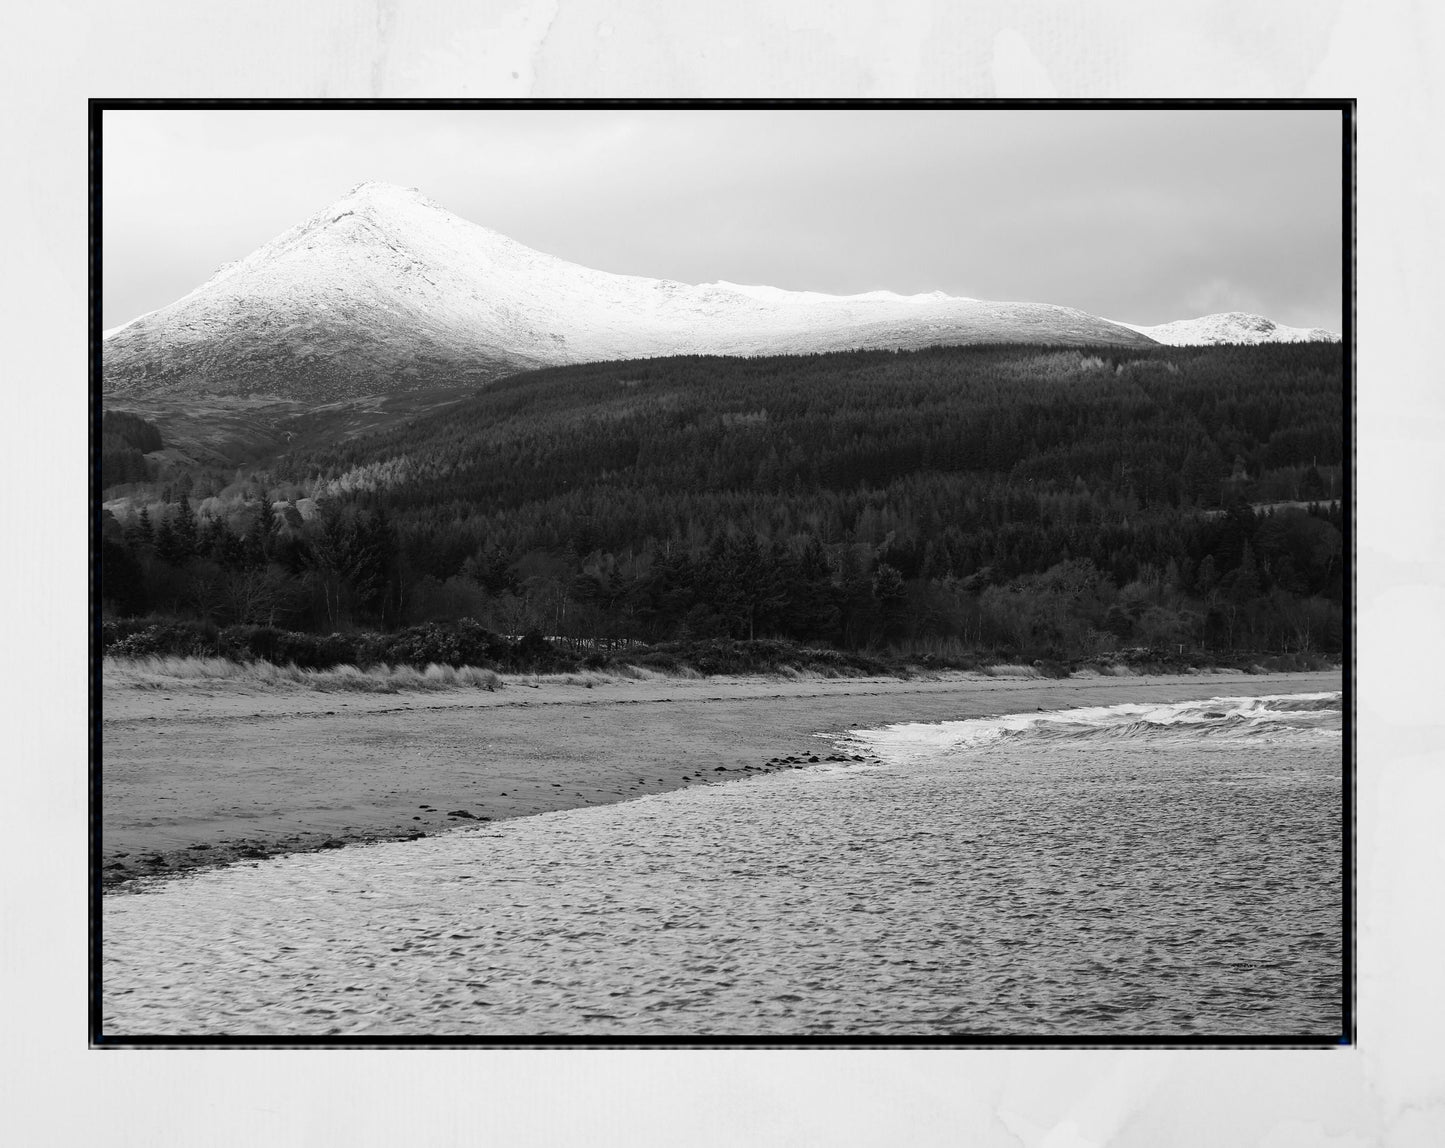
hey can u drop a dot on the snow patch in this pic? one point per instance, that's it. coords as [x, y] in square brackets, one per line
[782, 296]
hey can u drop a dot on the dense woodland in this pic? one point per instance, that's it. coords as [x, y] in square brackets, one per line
[125, 439]
[1001, 501]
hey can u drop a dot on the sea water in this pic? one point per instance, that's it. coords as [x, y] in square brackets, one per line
[1134, 870]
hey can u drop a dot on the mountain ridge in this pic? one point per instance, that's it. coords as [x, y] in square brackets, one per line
[384, 290]
[1231, 327]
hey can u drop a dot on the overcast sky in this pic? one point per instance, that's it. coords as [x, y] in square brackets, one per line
[1141, 216]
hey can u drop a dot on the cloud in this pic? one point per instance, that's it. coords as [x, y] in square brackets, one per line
[1218, 295]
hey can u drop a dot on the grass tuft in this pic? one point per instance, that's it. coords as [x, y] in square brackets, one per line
[1008, 671]
[157, 672]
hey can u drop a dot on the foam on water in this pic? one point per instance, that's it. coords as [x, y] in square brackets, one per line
[1317, 715]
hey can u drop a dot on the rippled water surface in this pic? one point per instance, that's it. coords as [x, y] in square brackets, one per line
[1138, 870]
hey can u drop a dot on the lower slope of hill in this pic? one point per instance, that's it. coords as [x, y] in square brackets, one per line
[1037, 499]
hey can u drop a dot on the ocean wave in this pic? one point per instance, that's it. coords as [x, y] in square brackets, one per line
[1221, 718]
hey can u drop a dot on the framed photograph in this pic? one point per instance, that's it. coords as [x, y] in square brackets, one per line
[737, 573]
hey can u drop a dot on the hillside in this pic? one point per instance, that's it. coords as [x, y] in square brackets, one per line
[1231, 327]
[386, 291]
[1013, 497]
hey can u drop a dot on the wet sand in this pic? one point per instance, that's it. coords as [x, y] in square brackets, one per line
[202, 775]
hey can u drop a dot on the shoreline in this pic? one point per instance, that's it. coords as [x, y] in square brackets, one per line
[207, 774]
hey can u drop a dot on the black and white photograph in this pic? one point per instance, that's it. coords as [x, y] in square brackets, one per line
[785, 574]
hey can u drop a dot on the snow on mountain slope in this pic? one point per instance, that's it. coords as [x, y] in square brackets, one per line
[778, 295]
[1231, 327]
[385, 290]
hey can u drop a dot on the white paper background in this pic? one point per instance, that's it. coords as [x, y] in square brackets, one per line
[1388, 53]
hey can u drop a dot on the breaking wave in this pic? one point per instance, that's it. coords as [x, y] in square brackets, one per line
[1314, 716]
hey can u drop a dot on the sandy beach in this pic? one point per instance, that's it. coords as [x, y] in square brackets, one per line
[203, 774]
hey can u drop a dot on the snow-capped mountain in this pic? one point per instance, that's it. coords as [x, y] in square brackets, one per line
[384, 290]
[1231, 327]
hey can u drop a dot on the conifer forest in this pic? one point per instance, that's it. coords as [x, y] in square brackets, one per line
[979, 502]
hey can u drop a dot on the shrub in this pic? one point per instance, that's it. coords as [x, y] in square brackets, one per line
[461, 643]
[761, 655]
[454, 644]
[179, 639]
[250, 643]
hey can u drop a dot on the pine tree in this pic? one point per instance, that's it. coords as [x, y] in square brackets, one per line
[185, 528]
[1244, 582]
[167, 548]
[139, 533]
[261, 535]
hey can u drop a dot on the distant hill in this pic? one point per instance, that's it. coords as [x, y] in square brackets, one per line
[385, 291]
[1231, 327]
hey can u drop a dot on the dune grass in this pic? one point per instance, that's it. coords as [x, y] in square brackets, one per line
[169, 672]
[1008, 671]
[612, 673]
[164, 672]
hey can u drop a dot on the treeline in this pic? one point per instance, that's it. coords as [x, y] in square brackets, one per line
[1021, 500]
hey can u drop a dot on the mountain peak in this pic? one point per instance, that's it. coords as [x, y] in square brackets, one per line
[382, 194]
[385, 290]
[382, 187]
[374, 199]
[1231, 327]
[1243, 319]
